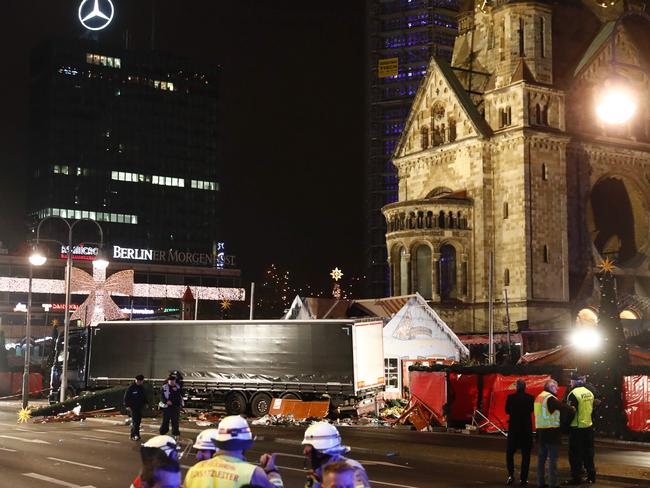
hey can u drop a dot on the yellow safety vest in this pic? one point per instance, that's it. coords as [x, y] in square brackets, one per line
[220, 472]
[543, 418]
[582, 418]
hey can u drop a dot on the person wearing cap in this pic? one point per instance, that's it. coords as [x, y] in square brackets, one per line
[322, 446]
[149, 452]
[519, 407]
[135, 400]
[206, 444]
[581, 431]
[229, 468]
[171, 403]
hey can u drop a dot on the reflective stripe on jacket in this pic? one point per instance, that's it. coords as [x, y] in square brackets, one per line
[543, 418]
[585, 398]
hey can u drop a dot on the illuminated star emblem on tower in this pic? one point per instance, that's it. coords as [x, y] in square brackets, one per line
[225, 305]
[607, 266]
[336, 274]
[99, 17]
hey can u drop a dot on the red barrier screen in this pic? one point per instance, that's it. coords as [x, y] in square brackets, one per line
[463, 397]
[430, 389]
[636, 397]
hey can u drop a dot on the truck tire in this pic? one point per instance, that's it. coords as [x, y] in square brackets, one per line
[235, 403]
[291, 396]
[261, 404]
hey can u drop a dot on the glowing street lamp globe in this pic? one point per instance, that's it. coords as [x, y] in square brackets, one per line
[586, 339]
[37, 258]
[617, 105]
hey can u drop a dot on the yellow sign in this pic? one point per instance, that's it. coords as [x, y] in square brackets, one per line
[388, 67]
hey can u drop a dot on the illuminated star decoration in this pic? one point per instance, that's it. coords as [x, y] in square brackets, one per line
[99, 306]
[24, 414]
[225, 305]
[336, 274]
[607, 266]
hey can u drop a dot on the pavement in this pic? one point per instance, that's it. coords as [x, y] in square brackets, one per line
[97, 453]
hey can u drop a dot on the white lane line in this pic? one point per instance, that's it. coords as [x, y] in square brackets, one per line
[368, 462]
[75, 463]
[55, 481]
[7, 449]
[110, 431]
[31, 441]
[21, 429]
[101, 439]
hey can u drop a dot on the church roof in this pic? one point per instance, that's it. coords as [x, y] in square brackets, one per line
[596, 45]
[522, 73]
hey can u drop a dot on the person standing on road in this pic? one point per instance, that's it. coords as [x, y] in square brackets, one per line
[519, 407]
[581, 431]
[323, 446]
[547, 422]
[135, 400]
[229, 468]
[171, 403]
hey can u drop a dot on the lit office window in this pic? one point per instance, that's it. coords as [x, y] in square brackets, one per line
[107, 61]
[205, 185]
[61, 169]
[153, 179]
[68, 213]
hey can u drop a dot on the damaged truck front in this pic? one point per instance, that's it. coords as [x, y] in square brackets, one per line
[240, 364]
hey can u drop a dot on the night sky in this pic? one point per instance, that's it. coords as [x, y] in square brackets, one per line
[292, 115]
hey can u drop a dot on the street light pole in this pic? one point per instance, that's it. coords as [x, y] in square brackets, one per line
[28, 339]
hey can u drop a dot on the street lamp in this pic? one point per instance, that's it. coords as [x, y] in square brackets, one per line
[68, 276]
[35, 259]
[586, 339]
[617, 104]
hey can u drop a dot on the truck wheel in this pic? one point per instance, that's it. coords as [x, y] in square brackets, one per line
[261, 404]
[291, 396]
[235, 403]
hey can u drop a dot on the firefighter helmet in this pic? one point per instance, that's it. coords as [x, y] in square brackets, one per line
[324, 437]
[165, 443]
[207, 440]
[234, 434]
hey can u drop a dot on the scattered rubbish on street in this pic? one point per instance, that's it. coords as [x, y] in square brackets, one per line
[76, 415]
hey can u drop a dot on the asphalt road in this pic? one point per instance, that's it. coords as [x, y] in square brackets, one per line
[99, 454]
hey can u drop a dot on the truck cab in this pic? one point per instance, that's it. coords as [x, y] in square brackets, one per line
[78, 353]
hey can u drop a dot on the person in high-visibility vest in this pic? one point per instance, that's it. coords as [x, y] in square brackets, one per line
[581, 431]
[547, 423]
[229, 468]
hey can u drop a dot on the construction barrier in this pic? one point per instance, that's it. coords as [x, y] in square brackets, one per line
[636, 398]
[430, 389]
[463, 397]
[298, 409]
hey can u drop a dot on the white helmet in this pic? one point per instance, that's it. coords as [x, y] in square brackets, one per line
[165, 443]
[324, 437]
[207, 440]
[234, 434]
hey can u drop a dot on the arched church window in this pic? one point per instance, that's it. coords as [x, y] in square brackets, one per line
[423, 271]
[441, 220]
[545, 256]
[538, 114]
[506, 277]
[447, 272]
[452, 129]
[505, 210]
[403, 273]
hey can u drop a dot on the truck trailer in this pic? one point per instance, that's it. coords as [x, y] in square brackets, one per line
[242, 364]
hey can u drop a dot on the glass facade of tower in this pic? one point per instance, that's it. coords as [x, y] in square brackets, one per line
[129, 139]
[410, 31]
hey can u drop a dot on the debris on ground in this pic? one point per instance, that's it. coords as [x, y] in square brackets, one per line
[205, 419]
[279, 420]
[77, 415]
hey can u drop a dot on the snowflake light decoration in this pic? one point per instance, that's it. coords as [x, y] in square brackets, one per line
[225, 305]
[24, 414]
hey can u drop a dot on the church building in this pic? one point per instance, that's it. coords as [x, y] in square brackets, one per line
[508, 179]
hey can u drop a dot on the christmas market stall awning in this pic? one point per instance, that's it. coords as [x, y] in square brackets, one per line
[567, 356]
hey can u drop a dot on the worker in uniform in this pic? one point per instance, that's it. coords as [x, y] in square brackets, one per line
[581, 431]
[519, 407]
[229, 468]
[171, 403]
[322, 445]
[135, 400]
[162, 443]
[206, 444]
[338, 475]
[547, 422]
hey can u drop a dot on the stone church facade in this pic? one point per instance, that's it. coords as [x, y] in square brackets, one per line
[503, 161]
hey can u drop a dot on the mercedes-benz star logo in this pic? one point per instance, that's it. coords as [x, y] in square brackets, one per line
[97, 18]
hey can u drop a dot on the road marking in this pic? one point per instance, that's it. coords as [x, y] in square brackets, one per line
[75, 463]
[101, 439]
[110, 431]
[7, 449]
[21, 429]
[297, 442]
[55, 481]
[31, 441]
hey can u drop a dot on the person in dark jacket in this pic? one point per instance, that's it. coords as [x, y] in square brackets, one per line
[135, 400]
[519, 406]
[171, 403]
